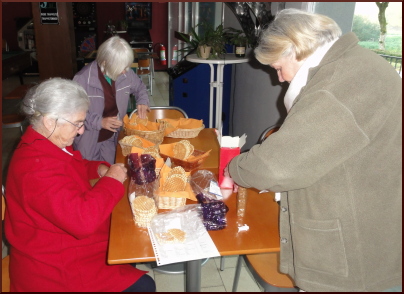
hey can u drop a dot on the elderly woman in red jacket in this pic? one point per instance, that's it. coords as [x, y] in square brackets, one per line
[56, 222]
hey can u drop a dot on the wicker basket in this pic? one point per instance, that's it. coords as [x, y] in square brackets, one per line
[164, 202]
[153, 136]
[188, 166]
[185, 133]
[126, 149]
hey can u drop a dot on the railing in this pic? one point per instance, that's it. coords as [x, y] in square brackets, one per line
[394, 61]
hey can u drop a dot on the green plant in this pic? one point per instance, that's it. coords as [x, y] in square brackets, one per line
[236, 37]
[208, 36]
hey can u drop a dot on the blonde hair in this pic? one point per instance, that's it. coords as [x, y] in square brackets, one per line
[296, 32]
[114, 56]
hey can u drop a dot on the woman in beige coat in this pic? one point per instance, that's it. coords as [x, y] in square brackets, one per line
[336, 159]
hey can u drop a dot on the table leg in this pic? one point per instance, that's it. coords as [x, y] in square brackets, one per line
[193, 276]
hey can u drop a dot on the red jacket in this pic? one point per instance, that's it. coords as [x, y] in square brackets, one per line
[57, 224]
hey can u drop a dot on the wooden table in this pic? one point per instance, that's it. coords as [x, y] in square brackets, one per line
[131, 244]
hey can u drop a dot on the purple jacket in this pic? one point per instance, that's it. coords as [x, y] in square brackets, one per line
[126, 84]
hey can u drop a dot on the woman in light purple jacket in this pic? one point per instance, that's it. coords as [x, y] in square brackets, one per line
[109, 81]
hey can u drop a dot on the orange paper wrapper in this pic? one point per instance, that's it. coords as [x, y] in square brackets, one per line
[159, 161]
[167, 150]
[188, 193]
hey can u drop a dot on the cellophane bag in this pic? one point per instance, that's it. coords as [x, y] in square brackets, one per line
[187, 219]
[204, 185]
[142, 174]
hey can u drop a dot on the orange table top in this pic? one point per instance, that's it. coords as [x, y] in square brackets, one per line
[131, 244]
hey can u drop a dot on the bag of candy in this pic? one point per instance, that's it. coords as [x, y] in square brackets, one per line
[206, 188]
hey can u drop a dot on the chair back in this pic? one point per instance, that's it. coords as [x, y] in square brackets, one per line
[265, 134]
[160, 112]
[142, 63]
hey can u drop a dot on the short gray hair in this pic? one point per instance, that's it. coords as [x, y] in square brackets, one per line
[295, 31]
[55, 98]
[114, 56]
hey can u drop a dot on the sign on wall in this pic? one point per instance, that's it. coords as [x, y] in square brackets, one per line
[49, 12]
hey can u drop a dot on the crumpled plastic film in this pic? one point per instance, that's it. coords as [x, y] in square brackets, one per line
[186, 218]
[213, 210]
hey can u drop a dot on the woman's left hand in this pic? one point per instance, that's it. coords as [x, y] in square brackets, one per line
[142, 110]
[102, 170]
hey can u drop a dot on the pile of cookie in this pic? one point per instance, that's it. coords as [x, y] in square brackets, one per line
[175, 181]
[143, 209]
[132, 140]
[171, 236]
[183, 149]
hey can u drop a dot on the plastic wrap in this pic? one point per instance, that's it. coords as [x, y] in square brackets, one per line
[204, 183]
[186, 219]
[142, 168]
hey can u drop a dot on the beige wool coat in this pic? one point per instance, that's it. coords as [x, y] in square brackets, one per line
[337, 159]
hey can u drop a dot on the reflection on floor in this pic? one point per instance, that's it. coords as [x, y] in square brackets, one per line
[213, 279]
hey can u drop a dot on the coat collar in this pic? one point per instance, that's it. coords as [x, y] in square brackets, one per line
[34, 140]
[93, 77]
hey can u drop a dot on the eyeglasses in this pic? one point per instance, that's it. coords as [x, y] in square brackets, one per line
[78, 126]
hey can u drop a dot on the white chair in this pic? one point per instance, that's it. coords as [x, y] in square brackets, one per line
[160, 112]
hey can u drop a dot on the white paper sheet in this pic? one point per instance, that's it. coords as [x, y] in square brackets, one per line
[200, 248]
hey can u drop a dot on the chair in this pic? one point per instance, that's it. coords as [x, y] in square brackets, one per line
[144, 68]
[5, 262]
[160, 112]
[267, 132]
[264, 267]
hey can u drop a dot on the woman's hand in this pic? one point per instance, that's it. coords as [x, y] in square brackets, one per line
[102, 169]
[142, 110]
[111, 123]
[117, 171]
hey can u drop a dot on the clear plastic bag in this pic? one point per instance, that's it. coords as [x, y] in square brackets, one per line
[203, 182]
[185, 222]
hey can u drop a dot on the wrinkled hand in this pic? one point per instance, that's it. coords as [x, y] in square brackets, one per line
[111, 123]
[102, 169]
[118, 172]
[142, 110]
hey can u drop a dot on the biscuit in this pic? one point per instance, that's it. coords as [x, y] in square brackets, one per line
[153, 151]
[175, 183]
[178, 170]
[183, 149]
[172, 236]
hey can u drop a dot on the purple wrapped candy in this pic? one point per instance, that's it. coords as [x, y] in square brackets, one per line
[213, 212]
[142, 169]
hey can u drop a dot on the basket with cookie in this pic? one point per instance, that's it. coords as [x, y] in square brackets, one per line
[151, 131]
[182, 127]
[173, 188]
[128, 142]
[183, 154]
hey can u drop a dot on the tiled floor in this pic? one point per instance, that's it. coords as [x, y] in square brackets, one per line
[213, 279]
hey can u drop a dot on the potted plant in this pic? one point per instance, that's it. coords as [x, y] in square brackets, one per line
[209, 43]
[123, 25]
[239, 39]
